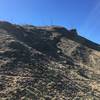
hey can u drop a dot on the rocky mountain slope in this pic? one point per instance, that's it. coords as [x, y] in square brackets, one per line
[47, 63]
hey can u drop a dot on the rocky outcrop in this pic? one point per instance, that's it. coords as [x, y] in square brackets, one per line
[47, 63]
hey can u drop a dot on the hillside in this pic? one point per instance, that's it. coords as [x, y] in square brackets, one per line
[47, 63]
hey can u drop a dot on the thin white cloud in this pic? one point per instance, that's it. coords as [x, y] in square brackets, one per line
[92, 22]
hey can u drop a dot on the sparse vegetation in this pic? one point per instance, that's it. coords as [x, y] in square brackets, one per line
[47, 63]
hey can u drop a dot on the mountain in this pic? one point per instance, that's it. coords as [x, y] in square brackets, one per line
[47, 63]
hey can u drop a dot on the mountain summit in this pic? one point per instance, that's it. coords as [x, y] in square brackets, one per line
[47, 63]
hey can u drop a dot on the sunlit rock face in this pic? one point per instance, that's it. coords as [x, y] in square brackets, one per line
[47, 63]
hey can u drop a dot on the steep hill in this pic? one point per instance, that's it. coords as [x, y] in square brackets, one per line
[47, 63]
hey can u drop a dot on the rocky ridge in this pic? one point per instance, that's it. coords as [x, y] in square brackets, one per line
[47, 63]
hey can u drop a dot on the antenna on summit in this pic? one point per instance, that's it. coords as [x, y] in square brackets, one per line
[51, 22]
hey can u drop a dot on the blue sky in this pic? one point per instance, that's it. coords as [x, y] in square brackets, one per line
[81, 14]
